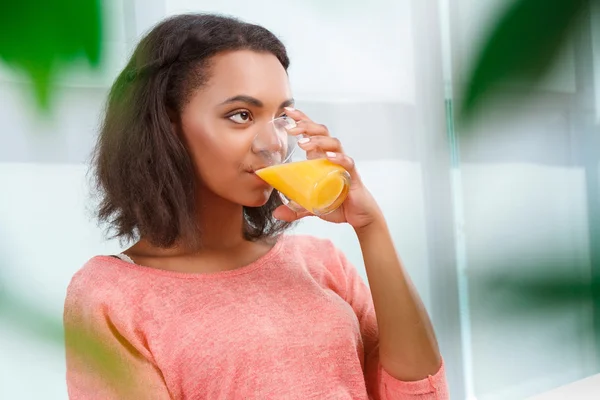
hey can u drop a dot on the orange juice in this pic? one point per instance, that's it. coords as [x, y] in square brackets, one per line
[318, 185]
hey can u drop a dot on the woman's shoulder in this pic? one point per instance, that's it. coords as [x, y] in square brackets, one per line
[96, 269]
[99, 279]
[310, 244]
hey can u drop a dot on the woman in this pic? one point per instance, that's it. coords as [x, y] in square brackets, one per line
[213, 301]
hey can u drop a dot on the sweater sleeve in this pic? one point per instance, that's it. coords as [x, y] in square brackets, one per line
[105, 359]
[380, 384]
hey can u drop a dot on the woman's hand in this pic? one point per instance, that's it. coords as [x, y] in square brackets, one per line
[359, 209]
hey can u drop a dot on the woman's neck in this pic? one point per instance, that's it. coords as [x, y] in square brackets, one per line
[221, 223]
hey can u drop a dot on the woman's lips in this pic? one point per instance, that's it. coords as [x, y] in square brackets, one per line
[258, 179]
[253, 170]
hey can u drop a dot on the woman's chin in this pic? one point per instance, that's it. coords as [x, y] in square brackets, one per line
[258, 200]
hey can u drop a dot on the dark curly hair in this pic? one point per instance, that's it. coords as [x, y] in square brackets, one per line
[143, 174]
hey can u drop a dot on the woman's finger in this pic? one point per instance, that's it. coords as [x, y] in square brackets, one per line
[324, 143]
[309, 128]
[344, 161]
[305, 125]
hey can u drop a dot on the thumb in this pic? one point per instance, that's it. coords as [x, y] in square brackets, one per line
[284, 213]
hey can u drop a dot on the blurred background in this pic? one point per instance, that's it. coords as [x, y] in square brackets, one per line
[481, 213]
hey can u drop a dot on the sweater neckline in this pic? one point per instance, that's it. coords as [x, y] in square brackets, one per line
[261, 261]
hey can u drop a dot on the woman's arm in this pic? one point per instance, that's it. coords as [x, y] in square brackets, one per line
[408, 349]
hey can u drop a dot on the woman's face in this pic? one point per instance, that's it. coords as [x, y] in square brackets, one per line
[245, 91]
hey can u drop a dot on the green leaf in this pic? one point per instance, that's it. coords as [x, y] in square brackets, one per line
[39, 37]
[522, 46]
[548, 292]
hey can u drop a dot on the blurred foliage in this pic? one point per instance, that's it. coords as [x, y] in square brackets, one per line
[522, 46]
[549, 291]
[44, 327]
[39, 37]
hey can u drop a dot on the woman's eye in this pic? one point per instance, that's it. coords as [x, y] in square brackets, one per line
[241, 117]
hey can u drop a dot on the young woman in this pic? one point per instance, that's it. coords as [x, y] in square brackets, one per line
[213, 301]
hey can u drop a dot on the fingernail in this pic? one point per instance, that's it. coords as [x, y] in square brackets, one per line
[290, 108]
[303, 140]
[330, 154]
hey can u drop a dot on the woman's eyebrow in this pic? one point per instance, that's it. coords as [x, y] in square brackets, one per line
[254, 101]
[244, 99]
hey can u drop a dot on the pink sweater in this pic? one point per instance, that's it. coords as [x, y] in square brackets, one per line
[298, 323]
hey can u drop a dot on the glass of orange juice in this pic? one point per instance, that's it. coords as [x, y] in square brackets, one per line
[307, 183]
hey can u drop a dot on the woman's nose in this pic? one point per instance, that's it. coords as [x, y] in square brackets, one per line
[267, 140]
